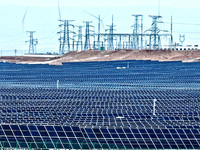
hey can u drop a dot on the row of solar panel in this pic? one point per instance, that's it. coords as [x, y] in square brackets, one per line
[44, 136]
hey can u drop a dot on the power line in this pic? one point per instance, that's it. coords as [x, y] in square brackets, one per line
[183, 23]
[187, 32]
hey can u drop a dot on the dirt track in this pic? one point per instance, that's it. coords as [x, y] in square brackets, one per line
[110, 55]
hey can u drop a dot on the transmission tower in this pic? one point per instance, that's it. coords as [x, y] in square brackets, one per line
[137, 32]
[32, 42]
[155, 32]
[111, 36]
[142, 32]
[99, 30]
[100, 22]
[80, 39]
[171, 44]
[65, 35]
[88, 34]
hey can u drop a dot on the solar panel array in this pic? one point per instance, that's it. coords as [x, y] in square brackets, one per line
[100, 105]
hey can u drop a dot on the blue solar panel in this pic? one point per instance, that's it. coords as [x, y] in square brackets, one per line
[100, 105]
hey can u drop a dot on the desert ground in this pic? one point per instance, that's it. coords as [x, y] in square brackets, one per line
[109, 55]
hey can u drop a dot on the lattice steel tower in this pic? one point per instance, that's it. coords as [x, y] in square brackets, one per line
[88, 34]
[155, 32]
[111, 36]
[138, 32]
[65, 36]
[171, 41]
[32, 42]
[80, 38]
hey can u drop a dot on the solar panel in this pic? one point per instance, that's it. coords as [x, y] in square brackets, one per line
[99, 106]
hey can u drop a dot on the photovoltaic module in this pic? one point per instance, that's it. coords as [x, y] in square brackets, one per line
[100, 105]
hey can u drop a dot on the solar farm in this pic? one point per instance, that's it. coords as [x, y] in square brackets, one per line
[128, 104]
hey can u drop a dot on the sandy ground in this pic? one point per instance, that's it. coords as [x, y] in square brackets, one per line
[110, 55]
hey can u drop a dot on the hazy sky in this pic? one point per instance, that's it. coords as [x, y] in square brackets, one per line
[42, 16]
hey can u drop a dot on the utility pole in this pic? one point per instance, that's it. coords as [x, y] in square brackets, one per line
[87, 34]
[65, 34]
[32, 42]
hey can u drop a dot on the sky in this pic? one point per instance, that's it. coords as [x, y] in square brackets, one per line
[42, 16]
